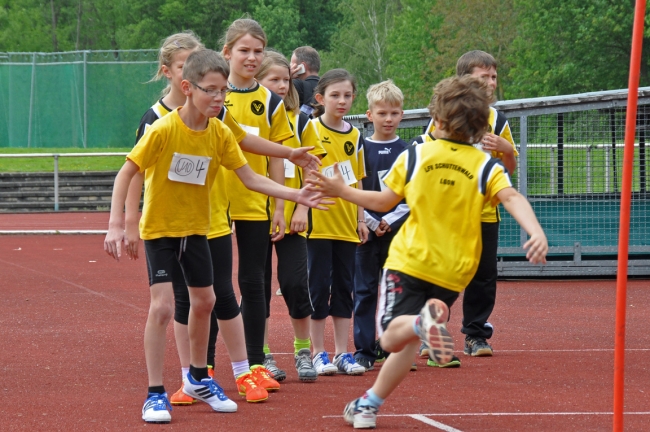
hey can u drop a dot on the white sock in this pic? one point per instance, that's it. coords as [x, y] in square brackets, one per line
[185, 371]
[240, 367]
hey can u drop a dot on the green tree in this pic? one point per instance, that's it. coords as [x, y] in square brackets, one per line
[573, 46]
[280, 21]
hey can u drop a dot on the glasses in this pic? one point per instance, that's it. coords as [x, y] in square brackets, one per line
[213, 93]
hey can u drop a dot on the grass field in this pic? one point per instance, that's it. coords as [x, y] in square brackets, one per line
[46, 164]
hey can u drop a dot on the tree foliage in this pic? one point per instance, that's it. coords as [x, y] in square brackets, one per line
[543, 47]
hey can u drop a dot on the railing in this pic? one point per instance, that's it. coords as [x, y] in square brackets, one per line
[56, 157]
[569, 167]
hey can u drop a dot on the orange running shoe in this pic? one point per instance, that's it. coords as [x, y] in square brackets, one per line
[248, 387]
[263, 378]
[180, 398]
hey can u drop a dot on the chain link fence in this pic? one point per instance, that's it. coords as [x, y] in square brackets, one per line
[85, 99]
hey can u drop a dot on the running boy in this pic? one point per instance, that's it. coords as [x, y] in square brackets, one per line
[385, 101]
[436, 253]
[480, 294]
[180, 156]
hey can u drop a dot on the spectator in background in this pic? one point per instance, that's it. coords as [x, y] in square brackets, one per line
[305, 65]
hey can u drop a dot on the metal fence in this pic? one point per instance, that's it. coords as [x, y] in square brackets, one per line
[89, 99]
[569, 167]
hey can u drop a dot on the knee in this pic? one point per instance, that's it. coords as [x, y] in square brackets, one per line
[161, 311]
[204, 303]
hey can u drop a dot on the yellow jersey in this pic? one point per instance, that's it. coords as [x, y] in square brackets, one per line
[346, 148]
[446, 185]
[174, 207]
[498, 125]
[259, 112]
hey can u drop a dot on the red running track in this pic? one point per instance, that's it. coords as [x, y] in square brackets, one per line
[72, 320]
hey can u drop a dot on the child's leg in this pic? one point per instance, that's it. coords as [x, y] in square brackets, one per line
[343, 261]
[181, 314]
[366, 282]
[293, 279]
[268, 279]
[396, 367]
[319, 261]
[161, 310]
[252, 243]
[480, 294]
[226, 307]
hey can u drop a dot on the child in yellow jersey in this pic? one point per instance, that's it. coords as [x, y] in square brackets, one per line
[435, 254]
[172, 56]
[332, 241]
[291, 249]
[480, 294]
[180, 156]
[259, 112]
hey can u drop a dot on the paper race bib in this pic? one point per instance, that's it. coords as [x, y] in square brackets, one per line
[346, 171]
[251, 130]
[381, 175]
[189, 169]
[289, 169]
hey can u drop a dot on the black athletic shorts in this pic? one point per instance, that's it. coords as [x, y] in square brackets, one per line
[192, 253]
[402, 294]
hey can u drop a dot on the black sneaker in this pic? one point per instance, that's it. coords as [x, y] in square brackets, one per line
[366, 363]
[477, 347]
[380, 353]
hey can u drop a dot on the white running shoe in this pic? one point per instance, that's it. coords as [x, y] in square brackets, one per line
[322, 364]
[155, 409]
[433, 331]
[346, 364]
[208, 391]
[361, 417]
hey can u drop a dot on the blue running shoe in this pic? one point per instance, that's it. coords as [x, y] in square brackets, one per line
[322, 364]
[155, 409]
[361, 417]
[347, 365]
[208, 391]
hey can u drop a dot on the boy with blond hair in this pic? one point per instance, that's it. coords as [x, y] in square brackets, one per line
[180, 156]
[436, 253]
[385, 102]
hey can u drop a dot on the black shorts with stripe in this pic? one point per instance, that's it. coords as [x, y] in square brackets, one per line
[402, 294]
[192, 253]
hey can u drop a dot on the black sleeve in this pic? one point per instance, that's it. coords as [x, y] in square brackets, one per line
[148, 119]
[300, 88]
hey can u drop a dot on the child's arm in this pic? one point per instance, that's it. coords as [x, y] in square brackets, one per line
[266, 186]
[520, 209]
[492, 142]
[362, 228]
[299, 156]
[278, 224]
[131, 211]
[336, 187]
[115, 235]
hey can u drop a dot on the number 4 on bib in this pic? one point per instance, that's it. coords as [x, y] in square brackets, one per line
[345, 168]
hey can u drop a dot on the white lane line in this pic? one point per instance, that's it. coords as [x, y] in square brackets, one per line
[88, 290]
[541, 351]
[503, 414]
[434, 423]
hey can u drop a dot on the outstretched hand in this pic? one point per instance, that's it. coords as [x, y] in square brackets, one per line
[313, 198]
[302, 158]
[328, 186]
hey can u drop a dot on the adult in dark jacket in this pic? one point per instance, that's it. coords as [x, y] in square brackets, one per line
[305, 65]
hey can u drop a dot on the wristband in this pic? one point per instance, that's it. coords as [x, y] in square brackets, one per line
[361, 221]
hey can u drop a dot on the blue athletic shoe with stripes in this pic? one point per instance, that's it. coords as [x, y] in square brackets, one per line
[208, 391]
[155, 409]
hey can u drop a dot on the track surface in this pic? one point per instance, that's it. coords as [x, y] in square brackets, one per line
[72, 320]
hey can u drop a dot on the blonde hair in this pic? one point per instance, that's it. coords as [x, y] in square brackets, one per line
[240, 28]
[186, 40]
[331, 77]
[385, 91]
[274, 58]
[461, 105]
